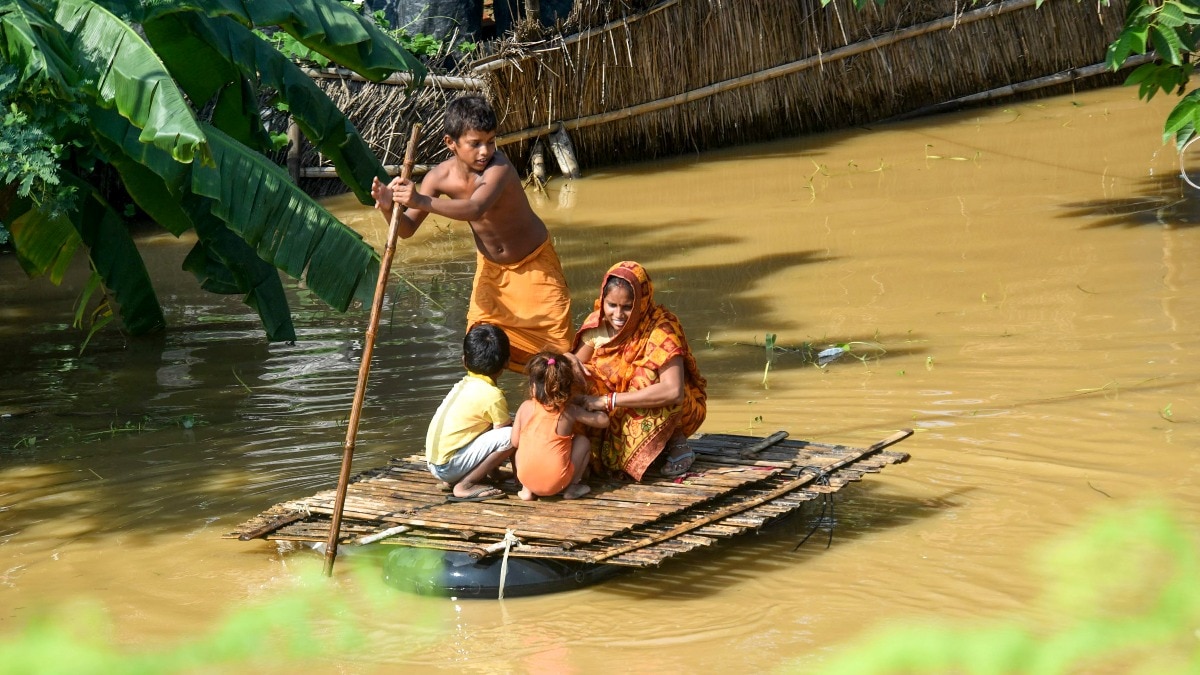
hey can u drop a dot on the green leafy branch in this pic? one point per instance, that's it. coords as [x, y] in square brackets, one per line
[1170, 29]
[418, 44]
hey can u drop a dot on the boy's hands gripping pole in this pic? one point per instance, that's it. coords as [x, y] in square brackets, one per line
[364, 369]
[406, 170]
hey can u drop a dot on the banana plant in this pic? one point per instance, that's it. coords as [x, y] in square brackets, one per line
[166, 97]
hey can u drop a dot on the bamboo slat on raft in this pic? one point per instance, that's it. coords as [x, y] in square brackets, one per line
[737, 484]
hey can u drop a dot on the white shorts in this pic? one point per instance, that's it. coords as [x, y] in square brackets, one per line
[465, 459]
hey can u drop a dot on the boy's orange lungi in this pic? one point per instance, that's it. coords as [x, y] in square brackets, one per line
[528, 299]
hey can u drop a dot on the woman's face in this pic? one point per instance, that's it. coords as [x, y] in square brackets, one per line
[617, 306]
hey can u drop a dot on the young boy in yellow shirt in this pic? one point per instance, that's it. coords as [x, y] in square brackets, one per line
[469, 435]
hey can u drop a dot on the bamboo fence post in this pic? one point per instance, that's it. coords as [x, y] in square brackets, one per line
[364, 369]
[537, 162]
[293, 154]
[564, 153]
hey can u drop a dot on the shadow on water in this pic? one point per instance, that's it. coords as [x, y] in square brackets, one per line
[209, 422]
[1166, 201]
[859, 511]
[664, 249]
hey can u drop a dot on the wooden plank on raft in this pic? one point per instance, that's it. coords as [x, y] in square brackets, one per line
[751, 450]
[270, 526]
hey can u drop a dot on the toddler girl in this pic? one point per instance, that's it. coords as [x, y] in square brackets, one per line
[550, 458]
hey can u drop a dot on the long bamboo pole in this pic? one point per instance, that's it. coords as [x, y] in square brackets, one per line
[364, 368]
[1069, 75]
[402, 79]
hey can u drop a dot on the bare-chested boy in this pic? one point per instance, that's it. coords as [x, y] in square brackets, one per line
[519, 284]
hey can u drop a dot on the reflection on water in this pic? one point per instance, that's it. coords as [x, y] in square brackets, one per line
[1016, 283]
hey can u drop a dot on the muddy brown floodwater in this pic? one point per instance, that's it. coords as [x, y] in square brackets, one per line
[1018, 283]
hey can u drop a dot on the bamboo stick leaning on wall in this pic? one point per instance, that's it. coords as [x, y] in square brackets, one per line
[403, 79]
[364, 369]
[1021, 87]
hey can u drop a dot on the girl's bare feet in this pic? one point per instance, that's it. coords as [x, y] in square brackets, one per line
[575, 491]
[527, 495]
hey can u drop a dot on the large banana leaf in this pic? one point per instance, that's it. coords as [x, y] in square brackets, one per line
[216, 56]
[224, 263]
[256, 199]
[208, 75]
[45, 241]
[326, 26]
[118, 140]
[29, 39]
[147, 188]
[220, 260]
[342, 35]
[117, 261]
[127, 75]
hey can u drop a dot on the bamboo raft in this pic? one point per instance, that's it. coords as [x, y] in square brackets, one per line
[737, 484]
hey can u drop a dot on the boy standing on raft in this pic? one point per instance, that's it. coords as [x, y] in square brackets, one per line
[519, 284]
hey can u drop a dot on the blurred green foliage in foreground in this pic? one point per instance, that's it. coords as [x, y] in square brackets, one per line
[1123, 596]
[313, 620]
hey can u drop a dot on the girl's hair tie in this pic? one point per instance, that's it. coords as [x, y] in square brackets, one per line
[550, 361]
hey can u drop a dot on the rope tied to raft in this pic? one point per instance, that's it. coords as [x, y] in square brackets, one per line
[821, 479]
[510, 540]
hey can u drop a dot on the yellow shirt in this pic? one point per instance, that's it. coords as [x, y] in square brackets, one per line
[473, 406]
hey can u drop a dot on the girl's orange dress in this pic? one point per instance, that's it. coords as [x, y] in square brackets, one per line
[543, 456]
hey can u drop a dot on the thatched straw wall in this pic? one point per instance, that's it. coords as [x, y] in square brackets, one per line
[637, 79]
[902, 57]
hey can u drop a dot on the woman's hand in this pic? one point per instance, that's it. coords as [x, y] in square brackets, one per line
[595, 403]
[578, 368]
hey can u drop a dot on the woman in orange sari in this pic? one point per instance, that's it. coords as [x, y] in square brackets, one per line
[642, 373]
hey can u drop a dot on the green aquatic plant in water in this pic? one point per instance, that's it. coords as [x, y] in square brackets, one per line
[770, 346]
[1122, 597]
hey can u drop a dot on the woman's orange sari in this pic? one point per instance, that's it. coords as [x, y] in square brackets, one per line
[630, 361]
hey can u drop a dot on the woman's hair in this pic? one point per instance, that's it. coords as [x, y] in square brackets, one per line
[550, 379]
[615, 281]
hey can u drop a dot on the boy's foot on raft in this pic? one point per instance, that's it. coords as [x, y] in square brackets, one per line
[527, 495]
[575, 491]
[479, 493]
